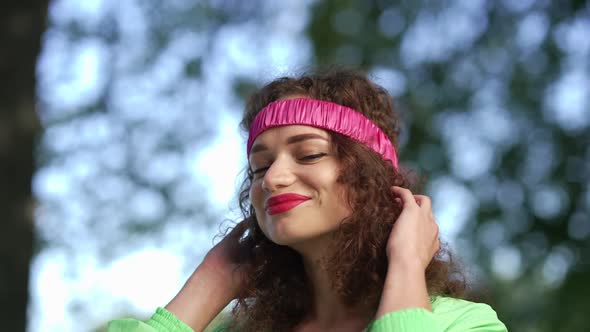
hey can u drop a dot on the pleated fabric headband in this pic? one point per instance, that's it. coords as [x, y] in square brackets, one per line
[324, 115]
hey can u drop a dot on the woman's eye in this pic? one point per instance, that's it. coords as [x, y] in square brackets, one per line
[260, 170]
[313, 156]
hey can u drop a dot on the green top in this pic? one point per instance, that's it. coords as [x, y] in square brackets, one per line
[448, 315]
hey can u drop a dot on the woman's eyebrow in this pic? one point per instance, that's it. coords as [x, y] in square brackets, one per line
[291, 140]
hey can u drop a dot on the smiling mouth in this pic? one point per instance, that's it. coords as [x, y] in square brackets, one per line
[284, 206]
[285, 202]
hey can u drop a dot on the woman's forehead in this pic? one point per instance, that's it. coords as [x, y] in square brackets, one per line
[288, 134]
[290, 130]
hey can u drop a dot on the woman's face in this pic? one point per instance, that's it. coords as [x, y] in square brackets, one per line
[294, 191]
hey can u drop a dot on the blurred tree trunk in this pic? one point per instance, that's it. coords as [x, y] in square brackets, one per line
[22, 24]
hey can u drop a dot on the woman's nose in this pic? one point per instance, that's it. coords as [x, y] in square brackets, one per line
[277, 176]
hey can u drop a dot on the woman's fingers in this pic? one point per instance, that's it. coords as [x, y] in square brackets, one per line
[435, 248]
[407, 197]
[415, 233]
[405, 194]
[238, 230]
[423, 201]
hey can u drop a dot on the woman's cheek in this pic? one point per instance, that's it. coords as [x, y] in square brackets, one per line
[256, 192]
[256, 197]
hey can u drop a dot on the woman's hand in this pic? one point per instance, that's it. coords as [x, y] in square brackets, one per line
[218, 261]
[414, 238]
[411, 245]
[213, 284]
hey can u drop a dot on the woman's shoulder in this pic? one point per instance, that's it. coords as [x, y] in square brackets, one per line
[448, 314]
[444, 304]
[451, 311]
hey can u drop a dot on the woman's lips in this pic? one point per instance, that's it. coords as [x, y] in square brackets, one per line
[284, 202]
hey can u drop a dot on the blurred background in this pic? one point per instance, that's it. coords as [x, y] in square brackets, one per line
[120, 152]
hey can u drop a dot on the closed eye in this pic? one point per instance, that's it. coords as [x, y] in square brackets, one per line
[306, 158]
[313, 156]
[260, 170]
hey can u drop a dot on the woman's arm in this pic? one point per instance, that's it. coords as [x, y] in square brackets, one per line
[405, 303]
[203, 296]
[411, 245]
[210, 288]
[161, 321]
[405, 287]
[212, 285]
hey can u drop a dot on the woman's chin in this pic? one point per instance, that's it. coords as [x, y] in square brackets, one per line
[299, 241]
[287, 237]
[294, 232]
[284, 239]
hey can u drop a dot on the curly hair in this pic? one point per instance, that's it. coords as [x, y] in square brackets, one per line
[277, 296]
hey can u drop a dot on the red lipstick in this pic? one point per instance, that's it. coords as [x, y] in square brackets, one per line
[285, 202]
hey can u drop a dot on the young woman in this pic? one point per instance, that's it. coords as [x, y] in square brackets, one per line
[332, 238]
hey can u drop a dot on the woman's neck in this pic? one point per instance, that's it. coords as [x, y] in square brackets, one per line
[328, 311]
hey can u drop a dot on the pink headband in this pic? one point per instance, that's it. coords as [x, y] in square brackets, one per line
[324, 115]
